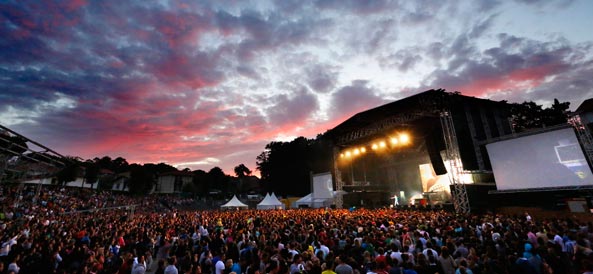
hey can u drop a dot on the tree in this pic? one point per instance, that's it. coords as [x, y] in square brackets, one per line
[556, 114]
[529, 115]
[119, 164]
[70, 171]
[242, 171]
[141, 180]
[91, 172]
[104, 162]
[285, 167]
[217, 179]
[159, 168]
[200, 180]
[116, 165]
[263, 163]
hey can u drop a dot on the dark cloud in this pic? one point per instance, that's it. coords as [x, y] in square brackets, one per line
[292, 109]
[435, 51]
[460, 51]
[265, 31]
[574, 86]
[321, 78]
[248, 72]
[356, 97]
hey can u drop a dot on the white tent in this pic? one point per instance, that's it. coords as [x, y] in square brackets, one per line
[314, 202]
[270, 202]
[234, 203]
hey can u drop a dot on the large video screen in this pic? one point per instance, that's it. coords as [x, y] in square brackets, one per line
[550, 159]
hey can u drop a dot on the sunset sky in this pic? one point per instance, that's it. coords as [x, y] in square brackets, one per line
[200, 84]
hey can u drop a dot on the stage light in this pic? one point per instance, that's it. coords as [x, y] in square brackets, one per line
[404, 138]
[374, 146]
[394, 141]
[382, 144]
[356, 151]
[363, 149]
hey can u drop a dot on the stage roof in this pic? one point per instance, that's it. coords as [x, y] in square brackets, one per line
[371, 116]
[586, 106]
[414, 109]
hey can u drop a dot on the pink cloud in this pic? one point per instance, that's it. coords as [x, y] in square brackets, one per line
[519, 79]
[181, 29]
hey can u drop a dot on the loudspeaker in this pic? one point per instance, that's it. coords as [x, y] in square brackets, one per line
[435, 155]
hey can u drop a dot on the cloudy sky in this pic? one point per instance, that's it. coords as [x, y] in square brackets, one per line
[200, 84]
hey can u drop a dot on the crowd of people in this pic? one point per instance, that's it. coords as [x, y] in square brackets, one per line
[77, 231]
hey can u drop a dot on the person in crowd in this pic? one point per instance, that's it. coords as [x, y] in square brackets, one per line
[343, 267]
[327, 268]
[171, 267]
[446, 261]
[139, 266]
[14, 265]
[160, 269]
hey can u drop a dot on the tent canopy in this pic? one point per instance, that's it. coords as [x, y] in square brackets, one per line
[310, 201]
[234, 202]
[270, 202]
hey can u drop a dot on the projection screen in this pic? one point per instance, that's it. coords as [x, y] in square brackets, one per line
[545, 160]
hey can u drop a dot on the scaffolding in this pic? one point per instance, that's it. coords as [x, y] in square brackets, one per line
[460, 199]
[338, 199]
[584, 136]
[130, 209]
[23, 159]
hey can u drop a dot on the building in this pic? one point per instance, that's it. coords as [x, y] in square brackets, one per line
[120, 183]
[172, 182]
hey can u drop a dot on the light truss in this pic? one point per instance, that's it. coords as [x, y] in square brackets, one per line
[426, 106]
[460, 199]
[378, 127]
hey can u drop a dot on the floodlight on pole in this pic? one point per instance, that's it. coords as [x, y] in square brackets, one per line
[363, 149]
[382, 144]
[356, 151]
[375, 146]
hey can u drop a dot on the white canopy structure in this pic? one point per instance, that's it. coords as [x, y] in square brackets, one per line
[315, 202]
[234, 203]
[270, 202]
